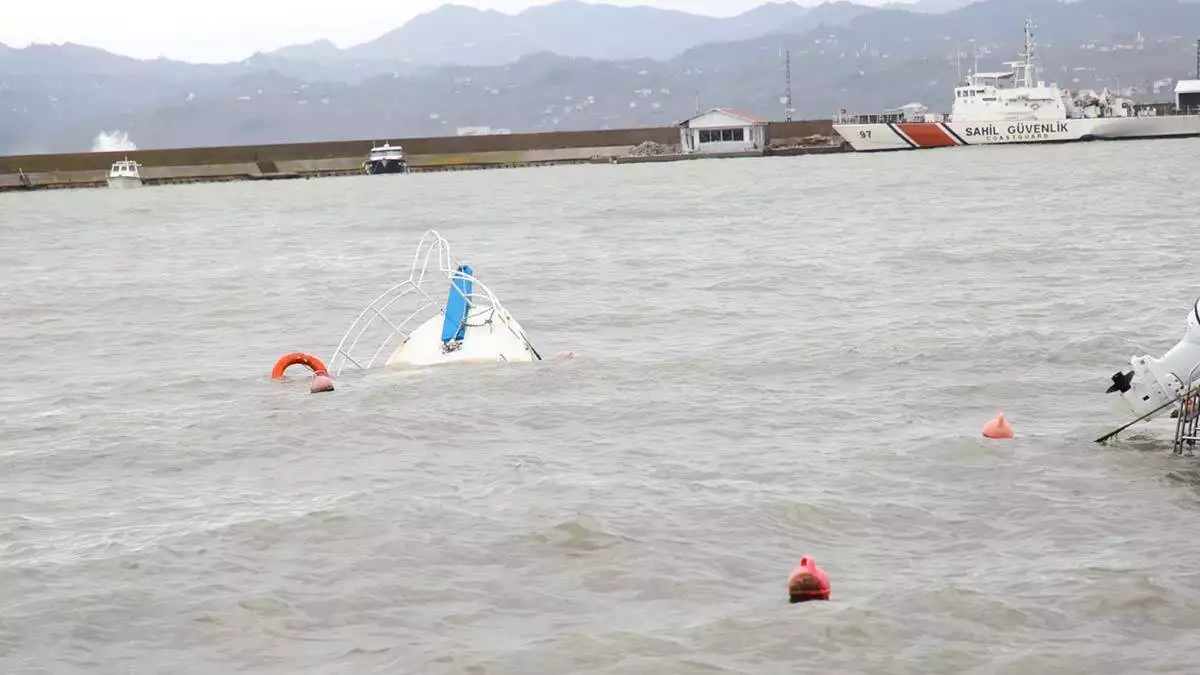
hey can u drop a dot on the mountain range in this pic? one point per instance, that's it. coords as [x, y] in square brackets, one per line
[458, 35]
[575, 65]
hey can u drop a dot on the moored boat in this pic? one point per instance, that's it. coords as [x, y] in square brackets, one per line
[386, 158]
[125, 173]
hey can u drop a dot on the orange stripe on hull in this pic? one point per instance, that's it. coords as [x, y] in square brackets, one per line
[926, 134]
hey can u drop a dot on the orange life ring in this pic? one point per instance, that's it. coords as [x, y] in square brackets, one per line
[297, 359]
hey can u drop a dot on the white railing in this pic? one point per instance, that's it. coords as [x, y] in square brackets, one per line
[1187, 422]
[889, 118]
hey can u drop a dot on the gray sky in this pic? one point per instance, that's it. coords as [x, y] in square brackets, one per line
[229, 30]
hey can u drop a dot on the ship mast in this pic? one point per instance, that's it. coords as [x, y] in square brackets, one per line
[788, 67]
[1027, 67]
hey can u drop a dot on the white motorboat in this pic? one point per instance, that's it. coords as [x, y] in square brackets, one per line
[386, 158]
[125, 173]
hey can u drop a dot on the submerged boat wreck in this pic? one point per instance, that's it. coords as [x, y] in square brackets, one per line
[1155, 385]
[440, 314]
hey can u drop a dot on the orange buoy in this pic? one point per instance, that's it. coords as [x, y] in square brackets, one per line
[808, 582]
[997, 427]
[297, 359]
[321, 382]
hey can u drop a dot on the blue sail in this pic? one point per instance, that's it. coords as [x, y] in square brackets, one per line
[455, 325]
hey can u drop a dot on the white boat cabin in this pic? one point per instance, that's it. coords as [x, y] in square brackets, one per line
[125, 168]
[999, 96]
[386, 153]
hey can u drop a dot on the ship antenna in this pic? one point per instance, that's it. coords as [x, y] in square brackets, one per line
[788, 68]
[1029, 52]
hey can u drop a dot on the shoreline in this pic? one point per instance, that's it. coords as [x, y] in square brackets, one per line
[31, 173]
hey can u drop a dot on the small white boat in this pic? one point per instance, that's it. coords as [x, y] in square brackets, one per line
[125, 173]
[438, 315]
[386, 158]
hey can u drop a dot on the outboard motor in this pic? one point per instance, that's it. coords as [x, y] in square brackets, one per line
[1153, 383]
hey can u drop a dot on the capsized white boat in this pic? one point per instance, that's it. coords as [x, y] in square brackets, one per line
[436, 316]
[1153, 384]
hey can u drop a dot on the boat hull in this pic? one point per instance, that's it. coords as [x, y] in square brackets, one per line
[487, 341]
[386, 166]
[923, 135]
[122, 182]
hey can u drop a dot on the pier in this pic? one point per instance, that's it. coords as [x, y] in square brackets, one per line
[344, 158]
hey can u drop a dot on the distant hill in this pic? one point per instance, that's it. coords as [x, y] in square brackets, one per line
[459, 35]
[58, 98]
[314, 51]
[829, 14]
[929, 6]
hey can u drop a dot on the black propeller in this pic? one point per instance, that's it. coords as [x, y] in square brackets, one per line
[1120, 382]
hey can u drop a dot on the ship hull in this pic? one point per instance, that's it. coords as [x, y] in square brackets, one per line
[923, 135]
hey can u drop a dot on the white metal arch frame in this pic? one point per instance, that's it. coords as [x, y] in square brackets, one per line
[481, 302]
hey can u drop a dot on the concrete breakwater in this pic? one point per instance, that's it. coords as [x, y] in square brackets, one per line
[309, 160]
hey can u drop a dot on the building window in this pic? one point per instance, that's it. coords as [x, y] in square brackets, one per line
[722, 135]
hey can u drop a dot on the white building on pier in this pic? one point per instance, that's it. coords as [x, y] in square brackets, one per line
[722, 130]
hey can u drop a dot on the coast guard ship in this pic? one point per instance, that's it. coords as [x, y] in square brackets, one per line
[1013, 106]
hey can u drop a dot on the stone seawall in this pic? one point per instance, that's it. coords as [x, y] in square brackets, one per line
[345, 157]
[451, 145]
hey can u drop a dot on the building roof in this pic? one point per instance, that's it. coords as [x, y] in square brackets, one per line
[1187, 87]
[725, 111]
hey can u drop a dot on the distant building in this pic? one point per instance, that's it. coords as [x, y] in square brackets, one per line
[481, 131]
[1187, 95]
[722, 130]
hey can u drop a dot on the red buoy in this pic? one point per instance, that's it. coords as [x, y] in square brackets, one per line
[297, 359]
[997, 427]
[808, 582]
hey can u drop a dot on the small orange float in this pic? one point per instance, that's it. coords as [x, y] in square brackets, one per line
[298, 359]
[997, 427]
[321, 382]
[808, 582]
